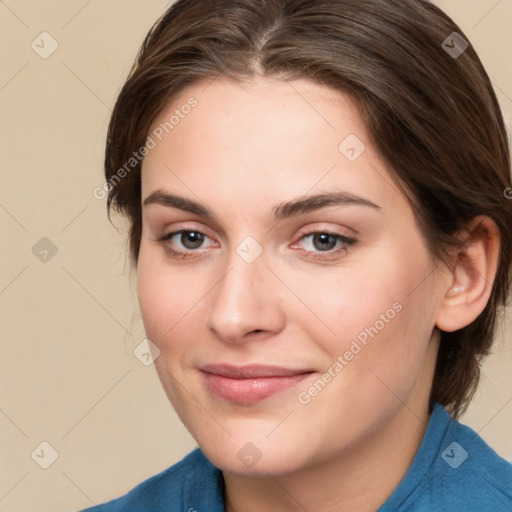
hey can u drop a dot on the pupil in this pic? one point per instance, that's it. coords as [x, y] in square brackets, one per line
[324, 239]
[192, 239]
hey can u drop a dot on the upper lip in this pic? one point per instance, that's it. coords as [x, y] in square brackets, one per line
[251, 371]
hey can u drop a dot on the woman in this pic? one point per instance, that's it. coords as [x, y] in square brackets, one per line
[317, 197]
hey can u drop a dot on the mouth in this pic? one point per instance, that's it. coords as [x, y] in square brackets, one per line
[247, 385]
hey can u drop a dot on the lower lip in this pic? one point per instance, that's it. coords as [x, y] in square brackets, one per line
[250, 391]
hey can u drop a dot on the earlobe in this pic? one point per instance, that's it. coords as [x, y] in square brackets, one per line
[471, 278]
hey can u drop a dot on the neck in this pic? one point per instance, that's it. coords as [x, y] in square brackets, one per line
[361, 478]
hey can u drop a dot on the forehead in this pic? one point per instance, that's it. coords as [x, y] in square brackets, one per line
[261, 112]
[261, 139]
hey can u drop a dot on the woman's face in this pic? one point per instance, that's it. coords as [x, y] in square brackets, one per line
[295, 320]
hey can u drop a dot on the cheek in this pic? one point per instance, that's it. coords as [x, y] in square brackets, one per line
[381, 315]
[167, 299]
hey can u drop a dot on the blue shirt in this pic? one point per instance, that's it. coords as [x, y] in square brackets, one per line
[454, 470]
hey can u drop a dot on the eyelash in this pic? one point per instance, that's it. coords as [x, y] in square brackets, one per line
[321, 255]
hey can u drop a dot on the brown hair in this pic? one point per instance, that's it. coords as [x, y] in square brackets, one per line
[431, 113]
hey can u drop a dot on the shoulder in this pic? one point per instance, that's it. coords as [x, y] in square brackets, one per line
[191, 484]
[472, 472]
[454, 469]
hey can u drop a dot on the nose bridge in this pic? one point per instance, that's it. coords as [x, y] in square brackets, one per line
[239, 280]
[241, 301]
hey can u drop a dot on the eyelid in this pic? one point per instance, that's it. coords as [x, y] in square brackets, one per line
[167, 236]
[304, 233]
[186, 226]
[323, 232]
[321, 228]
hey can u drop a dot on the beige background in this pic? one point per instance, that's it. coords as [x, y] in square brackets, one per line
[70, 324]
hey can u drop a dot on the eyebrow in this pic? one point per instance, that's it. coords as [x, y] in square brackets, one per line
[288, 209]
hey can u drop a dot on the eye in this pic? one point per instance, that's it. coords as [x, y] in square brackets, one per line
[186, 241]
[320, 244]
[325, 244]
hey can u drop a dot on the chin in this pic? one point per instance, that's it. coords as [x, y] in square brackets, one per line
[258, 458]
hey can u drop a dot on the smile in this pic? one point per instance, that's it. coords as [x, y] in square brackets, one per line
[250, 384]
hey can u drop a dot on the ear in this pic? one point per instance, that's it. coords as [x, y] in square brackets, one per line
[470, 280]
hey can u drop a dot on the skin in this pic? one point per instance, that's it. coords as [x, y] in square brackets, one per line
[245, 149]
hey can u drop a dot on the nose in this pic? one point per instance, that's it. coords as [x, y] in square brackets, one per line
[245, 302]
